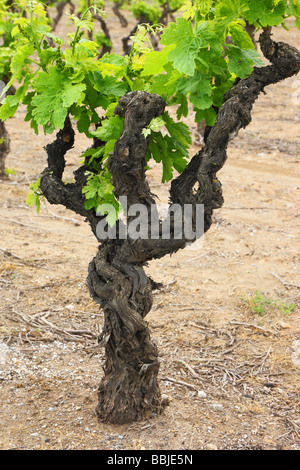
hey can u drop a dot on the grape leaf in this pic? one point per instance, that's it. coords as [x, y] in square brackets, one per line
[198, 88]
[209, 115]
[178, 131]
[110, 129]
[168, 150]
[19, 60]
[241, 62]
[295, 11]
[240, 37]
[182, 35]
[108, 85]
[267, 12]
[72, 93]
[228, 9]
[56, 92]
[155, 61]
[8, 107]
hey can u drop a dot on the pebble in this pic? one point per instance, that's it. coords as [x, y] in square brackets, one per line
[211, 447]
[201, 394]
[218, 407]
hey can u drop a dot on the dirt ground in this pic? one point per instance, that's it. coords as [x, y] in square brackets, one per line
[226, 321]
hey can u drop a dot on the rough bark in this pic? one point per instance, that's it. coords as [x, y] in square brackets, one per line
[4, 149]
[122, 288]
[116, 278]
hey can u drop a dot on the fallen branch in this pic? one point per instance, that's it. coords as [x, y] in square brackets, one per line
[251, 325]
[40, 322]
[188, 367]
[179, 382]
[283, 281]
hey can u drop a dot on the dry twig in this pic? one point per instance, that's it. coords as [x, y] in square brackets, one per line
[40, 321]
[283, 281]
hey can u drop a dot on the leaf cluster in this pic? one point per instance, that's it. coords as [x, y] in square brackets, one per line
[203, 52]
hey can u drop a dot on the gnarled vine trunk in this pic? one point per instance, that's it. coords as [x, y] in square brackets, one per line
[129, 388]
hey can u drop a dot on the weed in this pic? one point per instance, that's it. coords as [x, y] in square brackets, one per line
[260, 304]
[286, 307]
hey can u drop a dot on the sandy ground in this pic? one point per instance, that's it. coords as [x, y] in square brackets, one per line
[226, 321]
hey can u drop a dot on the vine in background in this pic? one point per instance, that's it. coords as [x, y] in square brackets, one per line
[8, 49]
[10, 12]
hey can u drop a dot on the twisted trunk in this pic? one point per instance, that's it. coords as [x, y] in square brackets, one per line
[129, 388]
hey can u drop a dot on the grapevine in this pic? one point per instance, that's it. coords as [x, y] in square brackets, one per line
[122, 104]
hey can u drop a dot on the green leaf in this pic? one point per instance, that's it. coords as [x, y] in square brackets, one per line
[168, 149]
[19, 60]
[155, 125]
[9, 106]
[155, 61]
[113, 63]
[162, 86]
[182, 35]
[110, 129]
[56, 93]
[178, 131]
[109, 206]
[240, 37]
[241, 62]
[153, 151]
[83, 122]
[34, 196]
[228, 9]
[266, 12]
[109, 85]
[99, 195]
[208, 114]
[183, 109]
[198, 88]
[295, 11]
[72, 93]
[94, 98]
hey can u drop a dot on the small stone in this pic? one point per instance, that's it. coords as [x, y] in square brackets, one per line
[201, 394]
[211, 447]
[218, 407]
[47, 439]
[165, 400]
[283, 324]
[70, 307]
